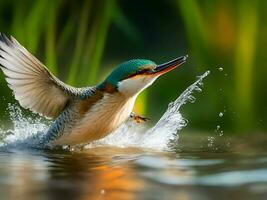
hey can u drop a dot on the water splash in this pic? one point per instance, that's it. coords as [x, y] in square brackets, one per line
[26, 131]
[165, 130]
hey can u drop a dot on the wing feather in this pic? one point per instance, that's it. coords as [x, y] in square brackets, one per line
[33, 85]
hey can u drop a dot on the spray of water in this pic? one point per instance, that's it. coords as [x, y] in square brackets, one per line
[27, 131]
[165, 130]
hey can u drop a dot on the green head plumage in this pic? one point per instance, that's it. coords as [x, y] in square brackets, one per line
[137, 74]
[128, 69]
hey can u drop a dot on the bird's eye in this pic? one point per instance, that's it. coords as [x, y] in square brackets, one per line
[140, 71]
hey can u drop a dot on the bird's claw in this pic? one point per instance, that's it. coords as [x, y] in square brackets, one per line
[138, 119]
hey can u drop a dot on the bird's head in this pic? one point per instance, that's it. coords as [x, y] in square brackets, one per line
[132, 77]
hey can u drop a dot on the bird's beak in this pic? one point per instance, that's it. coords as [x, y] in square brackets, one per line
[168, 66]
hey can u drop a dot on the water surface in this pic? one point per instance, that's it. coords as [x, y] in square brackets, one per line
[191, 170]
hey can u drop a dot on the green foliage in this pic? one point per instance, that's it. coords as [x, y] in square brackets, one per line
[96, 42]
[79, 41]
[227, 30]
[244, 61]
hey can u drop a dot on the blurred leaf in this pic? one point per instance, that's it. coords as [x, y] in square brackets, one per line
[128, 28]
[35, 24]
[80, 41]
[96, 42]
[65, 33]
[195, 27]
[244, 61]
[140, 106]
[51, 53]
[18, 21]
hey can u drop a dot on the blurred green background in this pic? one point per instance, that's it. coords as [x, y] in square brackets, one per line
[81, 41]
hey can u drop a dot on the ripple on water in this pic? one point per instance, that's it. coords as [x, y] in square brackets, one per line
[201, 172]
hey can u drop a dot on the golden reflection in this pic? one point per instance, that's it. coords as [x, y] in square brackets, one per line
[88, 174]
[112, 181]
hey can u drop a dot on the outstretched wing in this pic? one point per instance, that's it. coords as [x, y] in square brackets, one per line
[32, 83]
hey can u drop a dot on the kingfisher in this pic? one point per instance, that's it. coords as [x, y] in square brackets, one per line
[81, 115]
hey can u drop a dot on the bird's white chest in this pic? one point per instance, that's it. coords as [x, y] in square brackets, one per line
[100, 120]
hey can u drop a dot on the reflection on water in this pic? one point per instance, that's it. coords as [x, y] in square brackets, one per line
[190, 171]
[71, 175]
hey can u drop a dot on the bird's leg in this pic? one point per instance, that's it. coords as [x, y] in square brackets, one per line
[138, 118]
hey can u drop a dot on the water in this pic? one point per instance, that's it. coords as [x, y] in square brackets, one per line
[220, 69]
[185, 172]
[134, 163]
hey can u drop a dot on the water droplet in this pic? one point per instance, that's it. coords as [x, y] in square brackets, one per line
[220, 114]
[220, 69]
[191, 99]
[198, 89]
[102, 192]
[221, 133]
[184, 122]
[217, 130]
[211, 141]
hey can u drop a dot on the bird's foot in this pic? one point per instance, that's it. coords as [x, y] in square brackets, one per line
[138, 119]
